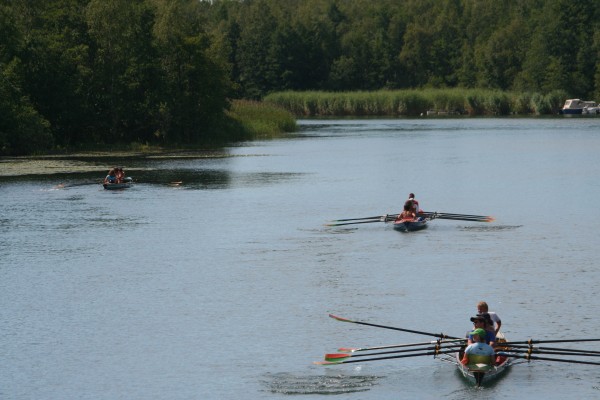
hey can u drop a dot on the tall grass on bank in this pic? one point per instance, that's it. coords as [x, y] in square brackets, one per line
[416, 102]
[256, 120]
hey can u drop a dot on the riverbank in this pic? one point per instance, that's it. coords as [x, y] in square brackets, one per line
[416, 102]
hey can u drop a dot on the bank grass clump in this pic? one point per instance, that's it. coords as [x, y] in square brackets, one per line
[258, 120]
[414, 102]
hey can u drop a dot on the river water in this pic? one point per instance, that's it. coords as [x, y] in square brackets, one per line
[219, 287]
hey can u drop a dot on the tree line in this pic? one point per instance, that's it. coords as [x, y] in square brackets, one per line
[76, 72]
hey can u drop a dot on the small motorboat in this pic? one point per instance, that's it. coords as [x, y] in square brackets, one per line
[580, 107]
[410, 225]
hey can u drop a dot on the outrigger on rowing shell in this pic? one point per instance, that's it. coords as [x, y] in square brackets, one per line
[450, 349]
[420, 223]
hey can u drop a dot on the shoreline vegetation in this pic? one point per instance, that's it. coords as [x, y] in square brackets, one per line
[276, 114]
[418, 102]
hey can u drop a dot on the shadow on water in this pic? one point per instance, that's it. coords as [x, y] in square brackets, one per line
[184, 179]
[287, 383]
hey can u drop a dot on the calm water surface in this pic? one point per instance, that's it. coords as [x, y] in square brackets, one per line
[220, 287]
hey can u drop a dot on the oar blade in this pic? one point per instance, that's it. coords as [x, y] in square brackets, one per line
[348, 349]
[336, 356]
[325, 362]
[340, 318]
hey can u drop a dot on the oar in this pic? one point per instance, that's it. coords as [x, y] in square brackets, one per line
[358, 219]
[486, 219]
[442, 336]
[528, 357]
[341, 356]
[383, 218]
[458, 217]
[454, 215]
[353, 223]
[531, 341]
[539, 348]
[427, 353]
[392, 346]
[563, 353]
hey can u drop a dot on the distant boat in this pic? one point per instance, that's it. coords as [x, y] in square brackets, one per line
[116, 186]
[127, 182]
[580, 107]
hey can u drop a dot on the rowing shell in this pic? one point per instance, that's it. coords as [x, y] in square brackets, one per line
[480, 373]
[116, 186]
[410, 226]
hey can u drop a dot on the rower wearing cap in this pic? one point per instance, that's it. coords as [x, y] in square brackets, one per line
[479, 352]
[480, 322]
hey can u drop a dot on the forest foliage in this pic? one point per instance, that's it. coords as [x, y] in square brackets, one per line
[164, 72]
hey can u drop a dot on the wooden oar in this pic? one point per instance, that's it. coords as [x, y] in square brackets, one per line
[341, 356]
[439, 335]
[427, 353]
[392, 346]
[528, 357]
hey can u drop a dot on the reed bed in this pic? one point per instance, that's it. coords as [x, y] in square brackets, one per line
[457, 101]
[255, 120]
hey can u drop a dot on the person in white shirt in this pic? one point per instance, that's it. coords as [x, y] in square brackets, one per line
[482, 308]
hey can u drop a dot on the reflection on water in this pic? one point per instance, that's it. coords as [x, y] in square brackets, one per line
[193, 174]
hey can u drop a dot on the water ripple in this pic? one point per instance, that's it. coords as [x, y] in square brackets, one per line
[288, 383]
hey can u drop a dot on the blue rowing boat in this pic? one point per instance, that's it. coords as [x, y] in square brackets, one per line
[410, 226]
[116, 186]
[127, 182]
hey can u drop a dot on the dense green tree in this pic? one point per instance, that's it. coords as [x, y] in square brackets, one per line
[55, 66]
[196, 87]
[163, 71]
[124, 67]
[22, 129]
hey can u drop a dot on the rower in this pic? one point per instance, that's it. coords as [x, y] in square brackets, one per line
[408, 213]
[479, 322]
[479, 356]
[111, 177]
[479, 352]
[482, 308]
[415, 203]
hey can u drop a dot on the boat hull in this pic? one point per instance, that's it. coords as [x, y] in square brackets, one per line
[116, 186]
[410, 226]
[572, 111]
[479, 375]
